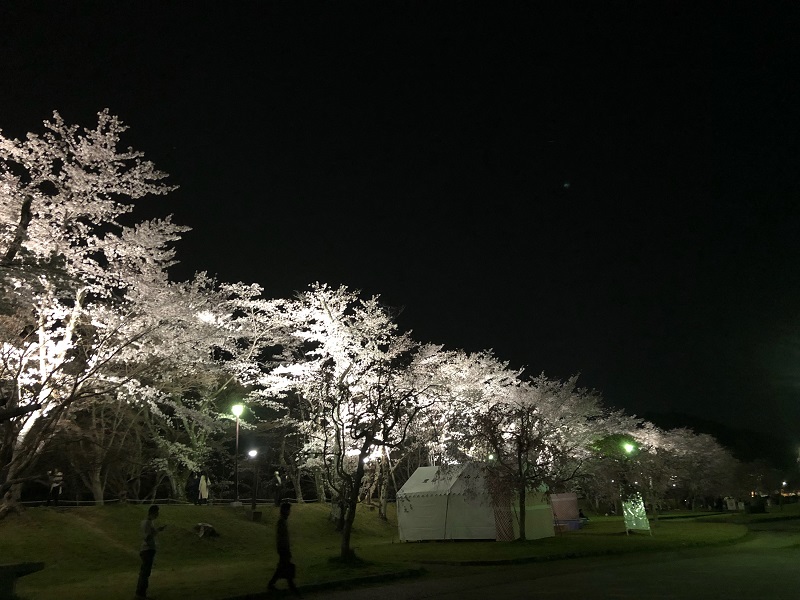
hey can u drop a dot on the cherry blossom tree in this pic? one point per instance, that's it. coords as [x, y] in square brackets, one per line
[538, 433]
[705, 467]
[363, 382]
[468, 384]
[83, 283]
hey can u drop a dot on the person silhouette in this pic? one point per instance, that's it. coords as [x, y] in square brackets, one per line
[147, 551]
[285, 569]
[277, 484]
[202, 488]
[56, 479]
[193, 488]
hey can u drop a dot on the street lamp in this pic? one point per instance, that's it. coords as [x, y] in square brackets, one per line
[237, 410]
[253, 454]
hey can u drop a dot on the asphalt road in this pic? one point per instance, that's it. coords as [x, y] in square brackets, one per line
[763, 567]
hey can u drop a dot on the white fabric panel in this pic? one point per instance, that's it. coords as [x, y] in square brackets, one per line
[470, 518]
[427, 480]
[538, 521]
[565, 506]
[421, 517]
[446, 503]
[468, 480]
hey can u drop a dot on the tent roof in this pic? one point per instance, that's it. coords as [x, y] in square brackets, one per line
[443, 481]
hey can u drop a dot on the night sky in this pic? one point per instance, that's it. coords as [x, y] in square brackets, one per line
[606, 189]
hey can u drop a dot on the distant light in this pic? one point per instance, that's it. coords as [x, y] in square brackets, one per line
[491, 457]
[237, 410]
[784, 483]
[252, 453]
[628, 447]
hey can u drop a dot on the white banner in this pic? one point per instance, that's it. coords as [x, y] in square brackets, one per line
[635, 514]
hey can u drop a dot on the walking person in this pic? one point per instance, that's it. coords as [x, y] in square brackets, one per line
[285, 569]
[202, 491]
[278, 488]
[56, 479]
[193, 489]
[147, 552]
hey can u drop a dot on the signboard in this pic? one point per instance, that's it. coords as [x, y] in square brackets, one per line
[635, 515]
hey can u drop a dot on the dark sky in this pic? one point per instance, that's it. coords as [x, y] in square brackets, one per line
[607, 188]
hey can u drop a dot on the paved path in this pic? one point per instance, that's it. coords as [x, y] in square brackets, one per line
[766, 566]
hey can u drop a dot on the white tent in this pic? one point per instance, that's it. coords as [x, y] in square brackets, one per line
[446, 503]
[538, 516]
[565, 511]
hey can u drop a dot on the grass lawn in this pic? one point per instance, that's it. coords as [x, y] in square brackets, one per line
[92, 553]
[774, 513]
[602, 535]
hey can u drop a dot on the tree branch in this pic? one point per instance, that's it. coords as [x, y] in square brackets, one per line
[6, 414]
[25, 216]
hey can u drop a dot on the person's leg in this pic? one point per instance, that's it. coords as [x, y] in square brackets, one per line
[275, 576]
[282, 571]
[290, 572]
[147, 557]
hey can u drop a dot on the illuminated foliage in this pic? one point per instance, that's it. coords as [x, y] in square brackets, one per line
[101, 353]
[86, 306]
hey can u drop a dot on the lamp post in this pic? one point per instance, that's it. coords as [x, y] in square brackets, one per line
[252, 454]
[237, 410]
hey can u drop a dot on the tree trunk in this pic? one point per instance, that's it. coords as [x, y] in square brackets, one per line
[350, 509]
[336, 514]
[298, 490]
[320, 483]
[97, 487]
[9, 502]
[522, 486]
[154, 492]
[177, 483]
[373, 485]
[292, 471]
[384, 501]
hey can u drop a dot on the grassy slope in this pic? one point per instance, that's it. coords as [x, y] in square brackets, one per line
[92, 553]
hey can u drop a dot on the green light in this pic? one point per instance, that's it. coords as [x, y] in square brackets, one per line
[628, 447]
